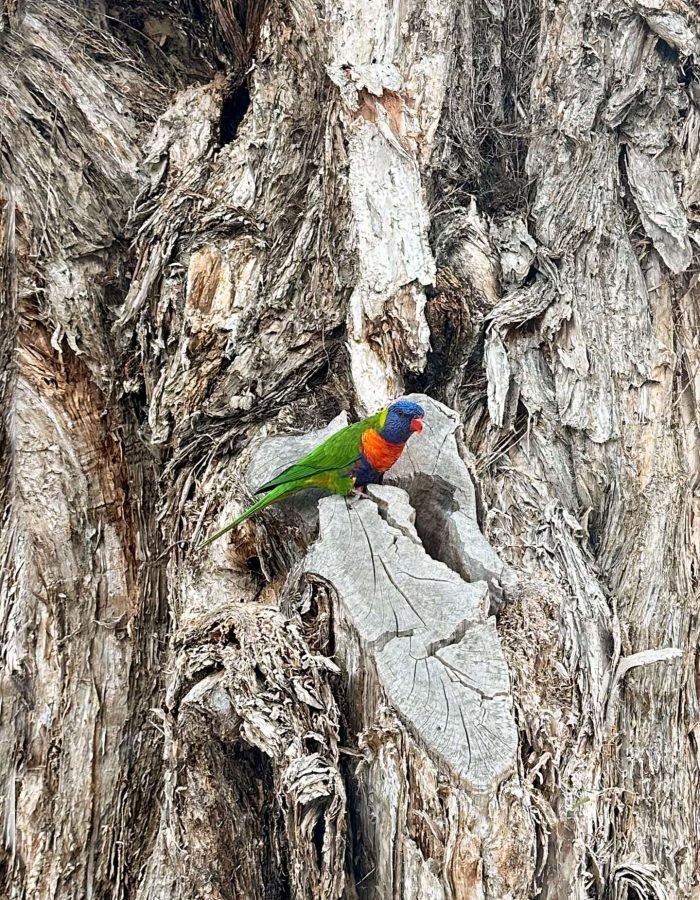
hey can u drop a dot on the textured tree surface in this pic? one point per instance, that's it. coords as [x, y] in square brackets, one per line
[226, 229]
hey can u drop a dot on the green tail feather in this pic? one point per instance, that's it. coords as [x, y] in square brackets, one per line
[284, 490]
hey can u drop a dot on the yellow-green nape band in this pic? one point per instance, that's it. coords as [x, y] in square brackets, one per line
[382, 417]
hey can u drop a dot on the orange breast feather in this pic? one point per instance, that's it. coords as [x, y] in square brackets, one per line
[379, 453]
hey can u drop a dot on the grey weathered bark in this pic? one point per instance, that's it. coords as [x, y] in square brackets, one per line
[223, 222]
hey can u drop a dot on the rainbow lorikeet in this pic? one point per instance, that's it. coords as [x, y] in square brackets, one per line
[357, 455]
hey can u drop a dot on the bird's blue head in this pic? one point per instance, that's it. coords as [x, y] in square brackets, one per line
[402, 419]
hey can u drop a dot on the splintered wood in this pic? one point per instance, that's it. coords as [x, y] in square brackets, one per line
[420, 623]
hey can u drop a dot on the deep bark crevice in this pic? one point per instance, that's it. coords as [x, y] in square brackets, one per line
[233, 110]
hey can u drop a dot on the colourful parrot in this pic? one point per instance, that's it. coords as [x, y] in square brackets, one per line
[357, 455]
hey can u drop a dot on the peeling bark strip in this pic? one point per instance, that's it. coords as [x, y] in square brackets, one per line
[392, 87]
[225, 225]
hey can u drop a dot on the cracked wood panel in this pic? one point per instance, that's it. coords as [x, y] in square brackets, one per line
[409, 610]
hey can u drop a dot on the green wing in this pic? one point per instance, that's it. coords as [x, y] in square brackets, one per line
[326, 466]
[335, 454]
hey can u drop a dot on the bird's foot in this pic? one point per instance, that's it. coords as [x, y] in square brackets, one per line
[360, 491]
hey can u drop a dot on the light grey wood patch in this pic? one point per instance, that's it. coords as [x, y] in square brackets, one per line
[438, 661]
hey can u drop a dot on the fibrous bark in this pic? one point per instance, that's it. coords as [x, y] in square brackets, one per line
[228, 226]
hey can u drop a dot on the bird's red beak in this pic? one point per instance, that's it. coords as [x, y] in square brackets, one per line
[416, 425]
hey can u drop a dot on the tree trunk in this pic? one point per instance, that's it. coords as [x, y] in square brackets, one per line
[226, 228]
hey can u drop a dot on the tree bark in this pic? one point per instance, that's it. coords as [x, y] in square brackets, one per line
[227, 228]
